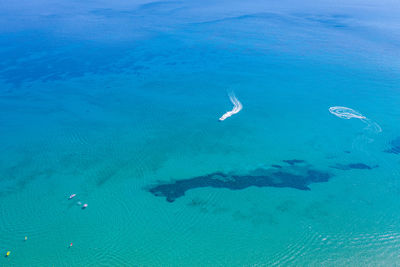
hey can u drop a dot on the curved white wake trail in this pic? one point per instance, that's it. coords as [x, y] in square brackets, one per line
[348, 113]
[237, 106]
[372, 126]
[362, 140]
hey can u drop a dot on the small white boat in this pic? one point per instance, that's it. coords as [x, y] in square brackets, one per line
[72, 196]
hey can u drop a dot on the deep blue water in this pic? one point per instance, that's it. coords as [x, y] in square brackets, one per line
[118, 102]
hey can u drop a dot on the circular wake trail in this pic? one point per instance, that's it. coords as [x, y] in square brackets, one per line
[237, 106]
[348, 113]
[362, 141]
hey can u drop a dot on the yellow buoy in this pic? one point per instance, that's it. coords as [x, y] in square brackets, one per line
[8, 253]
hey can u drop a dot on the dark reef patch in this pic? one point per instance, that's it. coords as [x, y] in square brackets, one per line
[359, 166]
[290, 176]
[395, 146]
[276, 166]
[293, 161]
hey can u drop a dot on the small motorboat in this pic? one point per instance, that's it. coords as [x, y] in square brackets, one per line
[72, 196]
[84, 206]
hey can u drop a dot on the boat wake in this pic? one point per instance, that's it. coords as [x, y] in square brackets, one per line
[362, 141]
[237, 106]
[348, 113]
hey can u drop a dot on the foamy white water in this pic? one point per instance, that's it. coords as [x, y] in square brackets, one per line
[237, 106]
[348, 113]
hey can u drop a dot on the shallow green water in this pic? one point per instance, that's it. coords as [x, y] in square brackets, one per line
[107, 110]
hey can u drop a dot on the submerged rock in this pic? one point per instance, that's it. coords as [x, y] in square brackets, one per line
[293, 161]
[360, 166]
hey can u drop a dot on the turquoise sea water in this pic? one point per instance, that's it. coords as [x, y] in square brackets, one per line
[107, 100]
